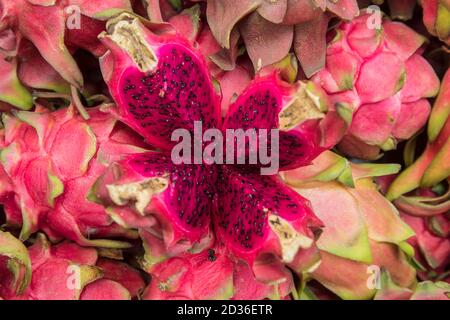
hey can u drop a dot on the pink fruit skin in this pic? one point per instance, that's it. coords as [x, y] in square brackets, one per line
[431, 250]
[26, 17]
[232, 83]
[431, 167]
[171, 90]
[435, 18]
[376, 74]
[37, 73]
[53, 273]
[270, 28]
[104, 289]
[350, 214]
[47, 183]
[122, 273]
[211, 275]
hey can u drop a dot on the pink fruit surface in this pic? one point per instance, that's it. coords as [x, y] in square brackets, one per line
[373, 71]
[47, 183]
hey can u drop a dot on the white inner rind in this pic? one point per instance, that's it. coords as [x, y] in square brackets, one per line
[139, 192]
[290, 240]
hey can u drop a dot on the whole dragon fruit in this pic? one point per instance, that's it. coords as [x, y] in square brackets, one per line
[362, 232]
[379, 81]
[160, 84]
[421, 193]
[432, 167]
[45, 183]
[62, 272]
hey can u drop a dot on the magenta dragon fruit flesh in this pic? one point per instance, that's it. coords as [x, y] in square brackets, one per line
[160, 84]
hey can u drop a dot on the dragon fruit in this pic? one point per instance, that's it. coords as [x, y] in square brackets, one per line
[282, 24]
[36, 73]
[44, 184]
[15, 266]
[161, 83]
[431, 243]
[426, 290]
[435, 17]
[211, 274]
[12, 91]
[26, 16]
[432, 166]
[420, 191]
[362, 229]
[25, 69]
[64, 272]
[372, 75]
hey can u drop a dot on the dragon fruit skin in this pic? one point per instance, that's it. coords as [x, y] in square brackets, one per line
[432, 166]
[372, 76]
[26, 17]
[199, 276]
[56, 266]
[210, 275]
[426, 290]
[283, 24]
[25, 69]
[12, 90]
[432, 246]
[361, 227]
[36, 73]
[15, 265]
[45, 185]
[413, 191]
[144, 88]
[435, 17]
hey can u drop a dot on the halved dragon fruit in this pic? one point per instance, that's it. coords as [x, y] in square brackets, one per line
[161, 83]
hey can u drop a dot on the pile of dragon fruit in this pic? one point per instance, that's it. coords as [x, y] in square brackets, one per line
[93, 207]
